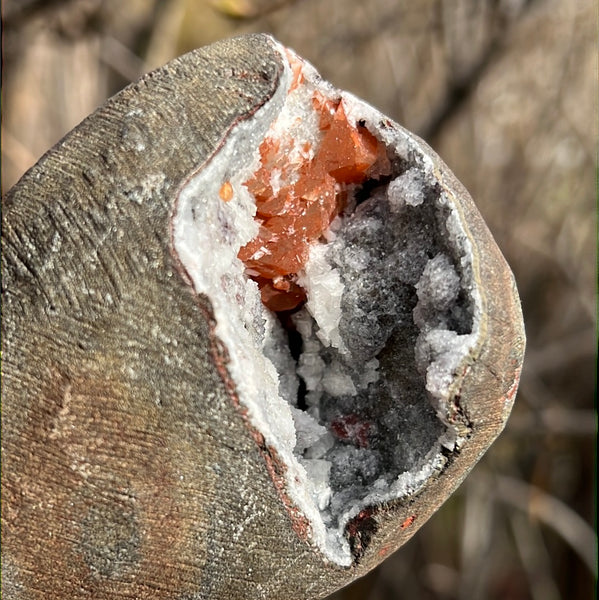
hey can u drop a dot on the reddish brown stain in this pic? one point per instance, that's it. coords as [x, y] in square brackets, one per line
[360, 531]
[408, 522]
[277, 470]
[511, 393]
[352, 428]
[93, 490]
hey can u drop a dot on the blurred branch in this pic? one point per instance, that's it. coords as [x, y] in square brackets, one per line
[121, 59]
[459, 91]
[553, 513]
[16, 152]
[561, 352]
[463, 85]
[537, 246]
[249, 9]
[476, 540]
[555, 420]
[535, 558]
[15, 12]
[163, 38]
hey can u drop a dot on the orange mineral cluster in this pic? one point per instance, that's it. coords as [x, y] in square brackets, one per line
[296, 211]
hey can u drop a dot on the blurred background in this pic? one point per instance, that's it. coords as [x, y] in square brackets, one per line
[506, 92]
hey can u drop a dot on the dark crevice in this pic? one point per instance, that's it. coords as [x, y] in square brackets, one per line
[295, 339]
[301, 394]
[366, 190]
[360, 531]
[296, 346]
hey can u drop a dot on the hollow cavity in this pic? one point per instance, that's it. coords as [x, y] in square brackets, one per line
[346, 318]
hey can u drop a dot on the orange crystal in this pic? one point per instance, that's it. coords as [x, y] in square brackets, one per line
[302, 211]
[346, 152]
[226, 191]
[277, 299]
[296, 68]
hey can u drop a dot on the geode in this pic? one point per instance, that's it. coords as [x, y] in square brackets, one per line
[254, 334]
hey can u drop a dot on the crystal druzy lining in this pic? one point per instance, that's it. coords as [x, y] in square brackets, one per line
[340, 279]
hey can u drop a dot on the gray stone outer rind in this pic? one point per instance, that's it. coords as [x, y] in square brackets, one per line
[128, 468]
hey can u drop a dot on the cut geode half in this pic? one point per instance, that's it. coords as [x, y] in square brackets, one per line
[346, 287]
[253, 335]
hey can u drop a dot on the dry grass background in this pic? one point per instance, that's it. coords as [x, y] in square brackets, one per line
[506, 92]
